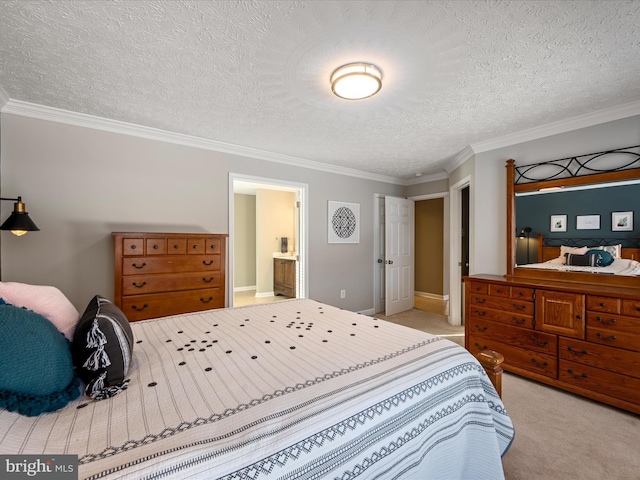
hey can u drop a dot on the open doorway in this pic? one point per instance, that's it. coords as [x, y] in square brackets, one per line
[461, 229]
[267, 240]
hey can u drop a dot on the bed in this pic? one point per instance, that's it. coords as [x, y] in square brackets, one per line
[292, 389]
[551, 256]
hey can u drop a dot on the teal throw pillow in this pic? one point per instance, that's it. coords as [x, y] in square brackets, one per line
[36, 368]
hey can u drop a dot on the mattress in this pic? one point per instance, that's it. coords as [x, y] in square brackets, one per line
[293, 390]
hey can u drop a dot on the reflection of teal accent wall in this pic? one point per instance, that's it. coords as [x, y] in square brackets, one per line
[535, 211]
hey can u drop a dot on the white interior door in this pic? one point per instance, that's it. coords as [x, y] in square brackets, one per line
[379, 256]
[399, 254]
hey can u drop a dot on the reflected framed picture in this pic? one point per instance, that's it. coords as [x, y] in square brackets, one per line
[344, 222]
[588, 222]
[558, 223]
[622, 221]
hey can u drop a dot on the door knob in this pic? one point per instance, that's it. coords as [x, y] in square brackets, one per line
[380, 260]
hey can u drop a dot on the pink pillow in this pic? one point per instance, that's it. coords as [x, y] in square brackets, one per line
[47, 301]
[572, 250]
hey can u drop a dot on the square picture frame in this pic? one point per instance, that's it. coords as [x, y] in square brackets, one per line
[588, 222]
[343, 222]
[621, 221]
[558, 223]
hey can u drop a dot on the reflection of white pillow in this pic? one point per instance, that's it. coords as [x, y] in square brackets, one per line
[614, 250]
[572, 250]
[557, 261]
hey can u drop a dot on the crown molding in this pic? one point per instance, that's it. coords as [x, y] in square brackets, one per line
[459, 159]
[575, 123]
[41, 112]
[4, 97]
[433, 177]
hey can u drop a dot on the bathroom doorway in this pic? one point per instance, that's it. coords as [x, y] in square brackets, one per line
[267, 240]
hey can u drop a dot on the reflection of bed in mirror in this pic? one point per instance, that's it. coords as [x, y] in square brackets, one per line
[551, 256]
[575, 327]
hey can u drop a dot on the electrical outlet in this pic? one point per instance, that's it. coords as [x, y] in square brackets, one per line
[343, 294]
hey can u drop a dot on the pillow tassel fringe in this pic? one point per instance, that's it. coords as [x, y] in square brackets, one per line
[95, 337]
[96, 388]
[97, 360]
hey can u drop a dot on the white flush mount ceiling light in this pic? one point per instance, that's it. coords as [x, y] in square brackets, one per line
[356, 81]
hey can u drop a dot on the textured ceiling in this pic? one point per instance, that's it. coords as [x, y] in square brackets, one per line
[256, 74]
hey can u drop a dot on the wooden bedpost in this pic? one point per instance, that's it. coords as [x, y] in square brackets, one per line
[511, 217]
[491, 362]
[540, 256]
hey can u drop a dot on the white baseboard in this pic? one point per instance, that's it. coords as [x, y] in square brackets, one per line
[244, 289]
[264, 294]
[435, 296]
[369, 311]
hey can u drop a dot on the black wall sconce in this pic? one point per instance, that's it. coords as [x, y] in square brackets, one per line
[524, 233]
[18, 222]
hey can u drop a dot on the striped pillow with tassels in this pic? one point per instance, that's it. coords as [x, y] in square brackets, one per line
[102, 348]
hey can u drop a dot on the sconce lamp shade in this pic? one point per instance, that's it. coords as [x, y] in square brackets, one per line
[19, 222]
[524, 233]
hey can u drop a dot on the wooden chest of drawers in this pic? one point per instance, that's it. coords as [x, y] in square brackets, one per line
[160, 274]
[577, 337]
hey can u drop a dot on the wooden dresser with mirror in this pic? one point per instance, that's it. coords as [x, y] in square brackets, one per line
[576, 331]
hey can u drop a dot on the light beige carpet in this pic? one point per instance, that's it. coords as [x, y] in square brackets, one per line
[558, 435]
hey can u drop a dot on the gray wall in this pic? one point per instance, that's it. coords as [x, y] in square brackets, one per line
[81, 184]
[244, 247]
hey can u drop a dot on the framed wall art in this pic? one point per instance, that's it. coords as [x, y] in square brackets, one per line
[344, 222]
[558, 223]
[588, 222]
[622, 221]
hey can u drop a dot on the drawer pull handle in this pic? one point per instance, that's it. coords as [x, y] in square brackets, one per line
[483, 347]
[606, 322]
[480, 300]
[210, 279]
[155, 247]
[209, 263]
[517, 320]
[139, 286]
[135, 307]
[519, 307]
[577, 353]
[206, 301]
[606, 339]
[538, 364]
[482, 329]
[176, 246]
[195, 246]
[213, 247]
[637, 309]
[570, 372]
[480, 313]
[133, 247]
[544, 343]
[498, 290]
[602, 304]
[139, 266]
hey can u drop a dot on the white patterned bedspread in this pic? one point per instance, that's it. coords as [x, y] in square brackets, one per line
[292, 390]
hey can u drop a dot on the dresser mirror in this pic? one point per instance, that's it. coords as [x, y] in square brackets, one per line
[572, 201]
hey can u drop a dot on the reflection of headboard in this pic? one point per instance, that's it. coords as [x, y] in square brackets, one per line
[548, 249]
